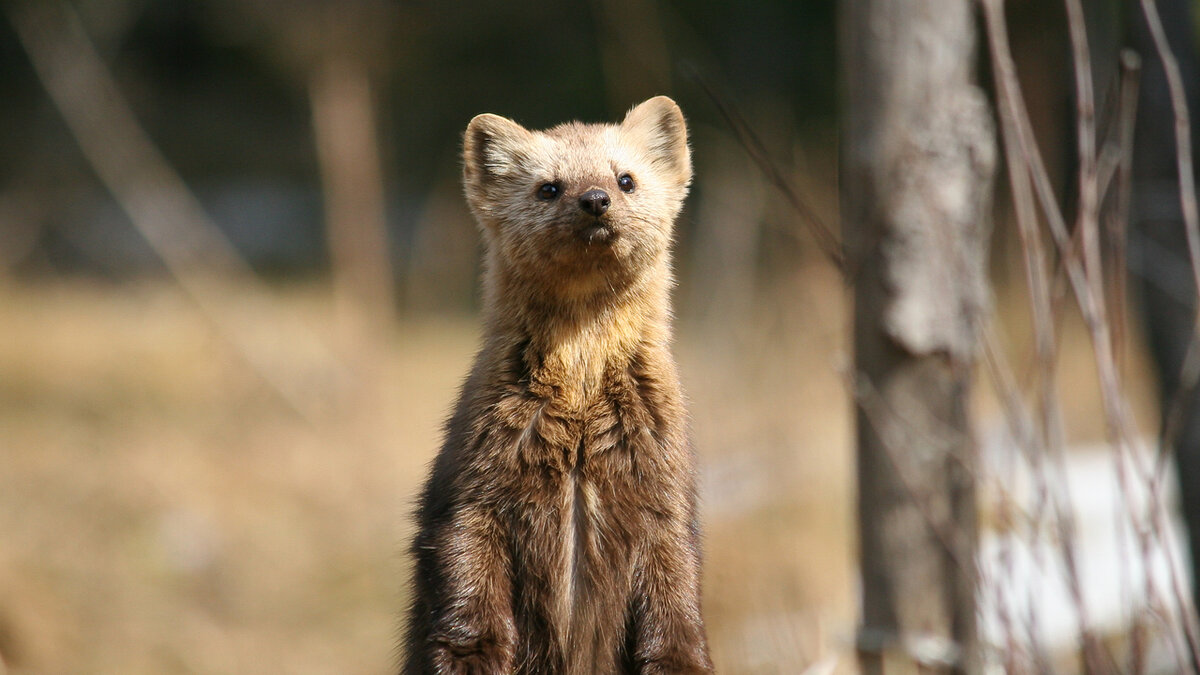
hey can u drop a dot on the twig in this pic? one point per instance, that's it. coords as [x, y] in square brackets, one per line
[1021, 164]
[1116, 226]
[1183, 134]
[1190, 374]
[1114, 181]
[1020, 424]
[1120, 425]
[1191, 220]
[1021, 430]
[1085, 284]
[757, 151]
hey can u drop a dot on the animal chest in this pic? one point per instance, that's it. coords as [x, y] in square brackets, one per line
[586, 488]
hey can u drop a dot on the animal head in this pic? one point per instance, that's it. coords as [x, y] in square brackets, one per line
[580, 206]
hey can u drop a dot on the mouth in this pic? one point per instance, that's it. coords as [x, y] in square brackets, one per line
[596, 231]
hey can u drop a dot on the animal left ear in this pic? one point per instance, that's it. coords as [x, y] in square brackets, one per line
[658, 125]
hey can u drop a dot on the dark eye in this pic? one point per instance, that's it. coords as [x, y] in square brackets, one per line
[625, 182]
[547, 192]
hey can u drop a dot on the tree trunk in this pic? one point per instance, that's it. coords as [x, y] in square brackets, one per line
[916, 168]
[344, 126]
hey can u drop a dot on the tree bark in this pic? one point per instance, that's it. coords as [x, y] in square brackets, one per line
[917, 161]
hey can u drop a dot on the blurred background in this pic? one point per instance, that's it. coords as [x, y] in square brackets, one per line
[238, 290]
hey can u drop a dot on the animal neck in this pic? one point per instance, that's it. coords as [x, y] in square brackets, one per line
[571, 340]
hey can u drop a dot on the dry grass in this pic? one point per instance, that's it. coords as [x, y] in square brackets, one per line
[162, 512]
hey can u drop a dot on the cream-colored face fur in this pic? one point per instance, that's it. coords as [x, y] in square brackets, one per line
[545, 233]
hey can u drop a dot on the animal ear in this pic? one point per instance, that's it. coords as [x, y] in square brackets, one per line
[658, 126]
[493, 147]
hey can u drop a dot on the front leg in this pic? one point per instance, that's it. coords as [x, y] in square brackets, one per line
[667, 629]
[462, 621]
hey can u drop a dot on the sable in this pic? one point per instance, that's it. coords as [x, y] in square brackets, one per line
[558, 533]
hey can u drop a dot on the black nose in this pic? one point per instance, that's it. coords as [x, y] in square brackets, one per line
[594, 202]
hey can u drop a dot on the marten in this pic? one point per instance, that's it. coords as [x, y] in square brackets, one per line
[558, 532]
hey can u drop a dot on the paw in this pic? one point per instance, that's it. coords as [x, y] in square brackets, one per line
[477, 657]
[473, 664]
[687, 662]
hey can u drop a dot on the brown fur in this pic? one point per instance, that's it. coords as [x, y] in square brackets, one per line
[558, 532]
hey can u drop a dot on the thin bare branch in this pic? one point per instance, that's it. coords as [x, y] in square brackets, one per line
[1021, 164]
[1117, 216]
[1190, 375]
[1183, 134]
[754, 147]
[1191, 220]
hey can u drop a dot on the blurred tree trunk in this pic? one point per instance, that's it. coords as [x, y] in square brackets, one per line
[338, 50]
[344, 126]
[916, 168]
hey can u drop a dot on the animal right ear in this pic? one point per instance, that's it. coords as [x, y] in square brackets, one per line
[658, 125]
[493, 147]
